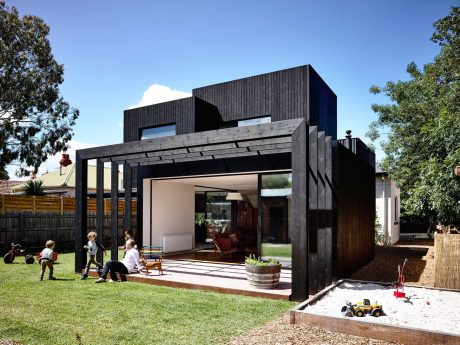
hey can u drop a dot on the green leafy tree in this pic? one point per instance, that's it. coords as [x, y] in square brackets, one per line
[422, 124]
[35, 121]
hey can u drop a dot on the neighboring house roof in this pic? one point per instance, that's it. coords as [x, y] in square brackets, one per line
[7, 185]
[379, 171]
[65, 177]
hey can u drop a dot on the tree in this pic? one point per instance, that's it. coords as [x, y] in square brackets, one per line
[35, 121]
[423, 126]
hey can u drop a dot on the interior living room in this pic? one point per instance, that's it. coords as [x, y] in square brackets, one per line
[220, 217]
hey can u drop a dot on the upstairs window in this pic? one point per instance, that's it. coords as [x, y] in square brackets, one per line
[157, 132]
[255, 121]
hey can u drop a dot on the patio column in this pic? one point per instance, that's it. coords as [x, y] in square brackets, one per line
[81, 211]
[313, 210]
[100, 207]
[114, 212]
[321, 211]
[128, 184]
[299, 157]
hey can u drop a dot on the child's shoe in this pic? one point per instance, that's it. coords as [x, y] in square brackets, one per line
[52, 278]
[40, 278]
[84, 276]
[100, 280]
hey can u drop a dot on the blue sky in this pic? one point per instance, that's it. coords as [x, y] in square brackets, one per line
[113, 51]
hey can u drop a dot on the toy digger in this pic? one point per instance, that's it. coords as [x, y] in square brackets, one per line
[360, 309]
[399, 285]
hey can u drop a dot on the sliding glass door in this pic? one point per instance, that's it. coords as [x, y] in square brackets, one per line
[275, 209]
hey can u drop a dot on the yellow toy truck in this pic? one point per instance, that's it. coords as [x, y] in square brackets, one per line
[360, 309]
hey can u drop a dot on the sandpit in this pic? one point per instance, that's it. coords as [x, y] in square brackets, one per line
[428, 309]
[424, 316]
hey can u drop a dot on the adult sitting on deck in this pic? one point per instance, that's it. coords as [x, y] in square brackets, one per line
[125, 266]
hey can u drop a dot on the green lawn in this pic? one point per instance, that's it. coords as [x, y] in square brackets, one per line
[276, 250]
[71, 311]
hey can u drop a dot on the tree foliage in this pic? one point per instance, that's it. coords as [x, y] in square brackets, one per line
[35, 121]
[423, 125]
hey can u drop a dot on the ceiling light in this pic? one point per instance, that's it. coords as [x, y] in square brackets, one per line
[234, 196]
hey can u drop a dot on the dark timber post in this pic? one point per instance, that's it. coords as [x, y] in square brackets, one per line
[329, 209]
[100, 206]
[321, 210]
[81, 211]
[114, 212]
[259, 215]
[299, 213]
[127, 181]
[313, 211]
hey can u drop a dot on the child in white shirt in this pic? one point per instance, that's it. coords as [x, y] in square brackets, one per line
[47, 260]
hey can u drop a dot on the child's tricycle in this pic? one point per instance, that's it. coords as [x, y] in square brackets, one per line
[16, 250]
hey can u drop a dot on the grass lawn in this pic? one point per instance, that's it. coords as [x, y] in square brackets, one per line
[276, 250]
[71, 311]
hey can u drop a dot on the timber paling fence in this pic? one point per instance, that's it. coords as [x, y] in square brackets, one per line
[49, 203]
[33, 229]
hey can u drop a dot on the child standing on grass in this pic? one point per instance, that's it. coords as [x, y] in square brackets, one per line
[46, 260]
[92, 247]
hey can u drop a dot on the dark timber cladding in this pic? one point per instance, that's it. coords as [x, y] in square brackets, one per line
[287, 94]
[301, 137]
[356, 214]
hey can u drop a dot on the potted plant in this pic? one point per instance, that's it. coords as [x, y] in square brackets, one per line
[263, 274]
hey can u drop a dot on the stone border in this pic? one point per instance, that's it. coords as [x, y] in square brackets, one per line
[404, 335]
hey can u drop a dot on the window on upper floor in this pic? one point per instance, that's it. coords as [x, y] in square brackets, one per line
[255, 121]
[158, 131]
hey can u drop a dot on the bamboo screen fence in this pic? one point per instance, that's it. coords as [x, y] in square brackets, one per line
[447, 261]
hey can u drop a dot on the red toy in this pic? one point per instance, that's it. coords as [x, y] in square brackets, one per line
[16, 250]
[399, 292]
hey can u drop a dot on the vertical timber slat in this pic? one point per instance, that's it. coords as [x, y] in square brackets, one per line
[321, 211]
[127, 181]
[299, 215]
[114, 211]
[81, 212]
[329, 210]
[313, 211]
[100, 205]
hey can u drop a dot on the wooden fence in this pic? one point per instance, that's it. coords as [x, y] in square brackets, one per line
[447, 261]
[58, 204]
[34, 229]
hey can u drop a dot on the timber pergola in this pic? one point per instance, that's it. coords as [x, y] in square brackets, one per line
[288, 136]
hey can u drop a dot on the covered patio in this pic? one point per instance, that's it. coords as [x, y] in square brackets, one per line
[282, 145]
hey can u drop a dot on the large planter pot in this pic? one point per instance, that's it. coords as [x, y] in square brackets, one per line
[263, 277]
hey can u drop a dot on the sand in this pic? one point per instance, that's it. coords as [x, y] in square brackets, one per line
[427, 309]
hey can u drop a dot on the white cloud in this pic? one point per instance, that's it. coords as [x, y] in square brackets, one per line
[157, 93]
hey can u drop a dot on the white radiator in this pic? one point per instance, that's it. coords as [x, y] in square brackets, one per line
[177, 243]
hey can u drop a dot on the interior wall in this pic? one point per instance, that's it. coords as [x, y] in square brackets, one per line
[172, 209]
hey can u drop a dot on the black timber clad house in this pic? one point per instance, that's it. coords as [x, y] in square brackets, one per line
[333, 192]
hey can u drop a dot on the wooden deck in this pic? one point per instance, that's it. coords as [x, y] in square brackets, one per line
[220, 277]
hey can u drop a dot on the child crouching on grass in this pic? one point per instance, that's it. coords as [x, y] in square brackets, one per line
[92, 248]
[46, 260]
